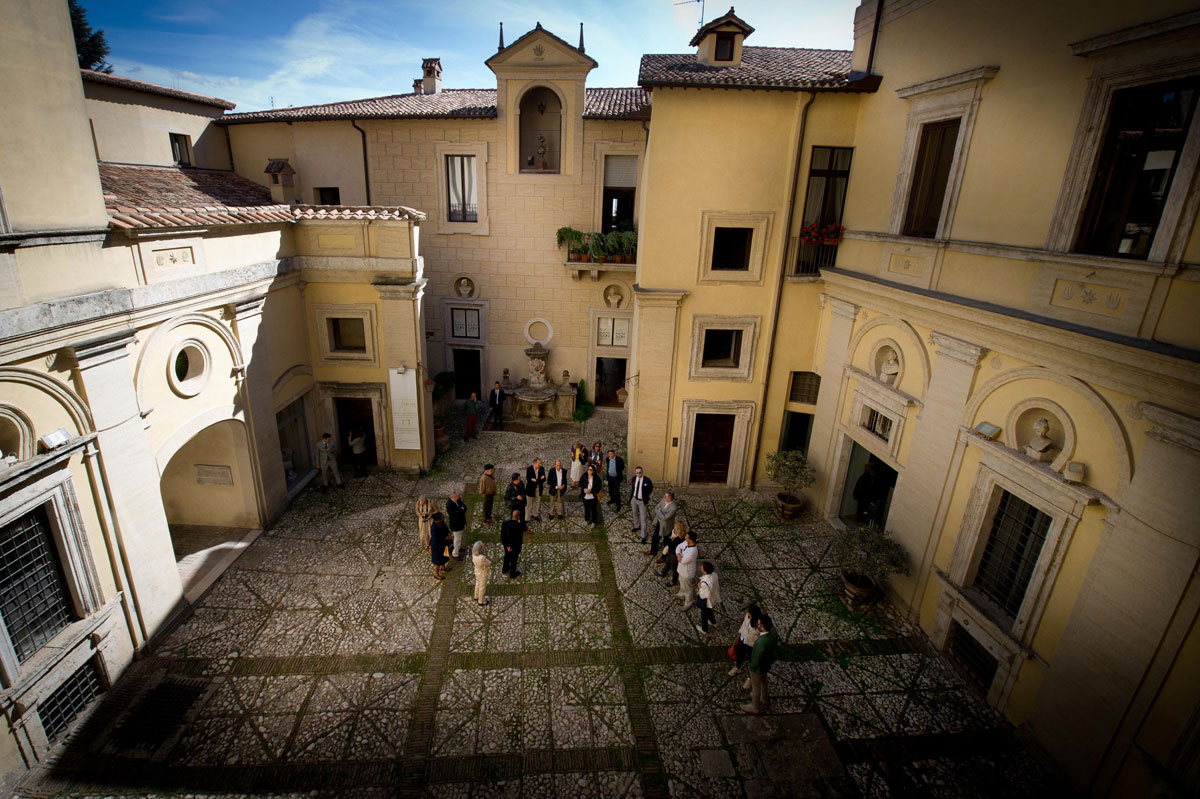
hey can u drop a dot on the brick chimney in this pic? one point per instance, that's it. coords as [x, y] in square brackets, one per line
[431, 69]
[419, 86]
[282, 176]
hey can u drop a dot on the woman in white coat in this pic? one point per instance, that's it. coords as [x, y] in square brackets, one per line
[483, 568]
[709, 596]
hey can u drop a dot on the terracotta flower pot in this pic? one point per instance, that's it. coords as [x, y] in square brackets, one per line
[790, 505]
[859, 588]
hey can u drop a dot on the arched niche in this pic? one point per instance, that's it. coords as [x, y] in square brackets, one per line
[870, 338]
[209, 480]
[43, 403]
[16, 433]
[540, 116]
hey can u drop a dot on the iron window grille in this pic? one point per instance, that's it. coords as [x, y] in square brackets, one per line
[34, 602]
[805, 387]
[1013, 548]
[878, 424]
[68, 700]
[970, 655]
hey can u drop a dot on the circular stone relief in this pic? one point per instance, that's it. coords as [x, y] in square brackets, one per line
[463, 287]
[188, 368]
[538, 331]
[887, 362]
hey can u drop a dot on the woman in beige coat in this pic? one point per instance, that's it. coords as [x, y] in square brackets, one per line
[425, 510]
[483, 569]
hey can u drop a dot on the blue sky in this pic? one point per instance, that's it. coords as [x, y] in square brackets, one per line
[303, 52]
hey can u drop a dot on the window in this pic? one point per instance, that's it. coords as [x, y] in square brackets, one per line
[620, 188]
[465, 322]
[541, 131]
[1013, 547]
[878, 424]
[797, 427]
[724, 47]
[347, 335]
[327, 195]
[58, 709]
[805, 387]
[972, 656]
[34, 602]
[828, 176]
[1146, 133]
[722, 349]
[731, 248]
[181, 149]
[930, 177]
[462, 204]
[188, 370]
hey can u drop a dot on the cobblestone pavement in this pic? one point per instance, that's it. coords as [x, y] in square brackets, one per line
[328, 662]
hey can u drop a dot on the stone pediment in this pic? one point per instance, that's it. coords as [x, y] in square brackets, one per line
[541, 49]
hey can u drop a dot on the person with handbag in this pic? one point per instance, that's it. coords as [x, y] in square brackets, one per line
[747, 635]
[709, 596]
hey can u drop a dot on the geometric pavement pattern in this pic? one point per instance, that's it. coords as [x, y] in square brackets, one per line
[333, 664]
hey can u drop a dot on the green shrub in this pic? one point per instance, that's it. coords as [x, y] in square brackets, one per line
[868, 550]
[583, 411]
[443, 384]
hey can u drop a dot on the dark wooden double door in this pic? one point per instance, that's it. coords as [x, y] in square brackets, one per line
[711, 445]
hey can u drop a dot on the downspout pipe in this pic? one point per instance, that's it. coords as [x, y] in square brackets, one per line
[783, 267]
[874, 36]
[366, 168]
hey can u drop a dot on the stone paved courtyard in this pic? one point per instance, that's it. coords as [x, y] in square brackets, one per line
[328, 662]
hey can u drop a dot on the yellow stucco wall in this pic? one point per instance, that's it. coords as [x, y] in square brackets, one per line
[134, 127]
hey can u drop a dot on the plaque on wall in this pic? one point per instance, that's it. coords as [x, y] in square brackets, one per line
[404, 408]
[620, 337]
[605, 339]
[214, 475]
[464, 322]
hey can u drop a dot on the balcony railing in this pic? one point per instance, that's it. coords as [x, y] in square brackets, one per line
[812, 258]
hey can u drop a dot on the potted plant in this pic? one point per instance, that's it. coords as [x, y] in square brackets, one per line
[833, 233]
[597, 247]
[791, 470]
[629, 245]
[572, 239]
[612, 243]
[868, 555]
[812, 235]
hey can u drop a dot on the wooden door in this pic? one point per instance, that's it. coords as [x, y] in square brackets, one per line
[711, 445]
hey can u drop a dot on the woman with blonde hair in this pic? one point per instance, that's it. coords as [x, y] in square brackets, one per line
[579, 456]
[425, 510]
[483, 568]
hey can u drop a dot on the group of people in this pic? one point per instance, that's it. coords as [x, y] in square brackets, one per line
[327, 461]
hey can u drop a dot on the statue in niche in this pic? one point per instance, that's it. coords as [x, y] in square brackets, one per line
[541, 152]
[889, 370]
[537, 365]
[1040, 447]
[613, 297]
[463, 287]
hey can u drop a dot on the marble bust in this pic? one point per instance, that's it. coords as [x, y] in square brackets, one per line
[1040, 446]
[463, 287]
[889, 370]
[612, 297]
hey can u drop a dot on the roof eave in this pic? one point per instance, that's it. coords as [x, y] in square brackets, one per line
[865, 85]
[348, 117]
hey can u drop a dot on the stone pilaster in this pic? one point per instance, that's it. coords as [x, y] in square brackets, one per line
[916, 502]
[651, 405]
[821, 444]
[402, 333]
[104, 377]
[1103, 674]
[260, 412]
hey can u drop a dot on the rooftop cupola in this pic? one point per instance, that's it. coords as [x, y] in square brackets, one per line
[431, 71]
[719, 43]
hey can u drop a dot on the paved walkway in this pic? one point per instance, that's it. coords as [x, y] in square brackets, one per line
[328, 662]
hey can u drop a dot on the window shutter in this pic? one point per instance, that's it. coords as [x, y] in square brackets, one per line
[620, 171]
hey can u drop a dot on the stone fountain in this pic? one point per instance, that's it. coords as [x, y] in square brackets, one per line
[536, 397]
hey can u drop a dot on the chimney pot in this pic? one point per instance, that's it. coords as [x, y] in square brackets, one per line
[432, 70]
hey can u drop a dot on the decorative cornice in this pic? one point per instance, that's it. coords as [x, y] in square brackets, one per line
[659, 297]
[846, 310]
[401, 291]
[976, 77]
[103, 349]
[247, 307]
[1137, 33]
[1172, 427]
[959, 350]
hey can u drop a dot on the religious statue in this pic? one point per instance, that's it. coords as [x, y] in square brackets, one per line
[889, 370]
[1040, 447]
[541, 152]
[612, 297]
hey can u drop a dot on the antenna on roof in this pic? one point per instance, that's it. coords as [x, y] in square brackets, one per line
[701, 2]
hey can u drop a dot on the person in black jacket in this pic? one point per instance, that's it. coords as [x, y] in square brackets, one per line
[496, 399]
[456, 513]
[535, 484]
[512, 537]
[589, 489]
[557, 480]
[515, 495]
[640, 489]
[614, 473]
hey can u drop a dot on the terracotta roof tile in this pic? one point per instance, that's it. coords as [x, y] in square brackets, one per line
[154, 88]
[599, 103]
[762, 67]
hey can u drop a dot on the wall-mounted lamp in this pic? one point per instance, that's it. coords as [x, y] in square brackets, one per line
[55, 439]
[987, 430]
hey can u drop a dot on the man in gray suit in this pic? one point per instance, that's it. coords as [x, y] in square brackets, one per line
[664, 521]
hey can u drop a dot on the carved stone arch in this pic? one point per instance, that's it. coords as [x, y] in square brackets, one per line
[11, 414]
[906, 335]
[160, 336]
[68, 399]
[298, 370]
[189, 430]
[541, 84]
[1112, 422]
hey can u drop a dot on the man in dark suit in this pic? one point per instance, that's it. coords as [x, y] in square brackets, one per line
[557, 480]
[614, 473]
[515, 495]
[512, 538]
[456, 514]
[535, 484]
[496, 399]
[641, 487]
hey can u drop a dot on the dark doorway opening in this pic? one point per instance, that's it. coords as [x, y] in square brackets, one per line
[867, 492]
[711, 445]
[610, 376]
[797, 427]
[354, 414]
[466, 373]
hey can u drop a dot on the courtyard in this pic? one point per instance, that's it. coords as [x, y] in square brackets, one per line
[327, 661]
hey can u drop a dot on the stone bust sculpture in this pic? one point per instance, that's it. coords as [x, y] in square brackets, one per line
[463, 287]
[889, 370]
[612, 297]
[1040, 446]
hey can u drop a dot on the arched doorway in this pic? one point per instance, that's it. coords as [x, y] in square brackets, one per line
[209, 497]
[541, 131]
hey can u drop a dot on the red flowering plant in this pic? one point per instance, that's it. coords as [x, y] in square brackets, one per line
[833, 231]
[812, 235]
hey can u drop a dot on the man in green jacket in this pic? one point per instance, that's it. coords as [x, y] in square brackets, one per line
[471, 406]
[764, 654]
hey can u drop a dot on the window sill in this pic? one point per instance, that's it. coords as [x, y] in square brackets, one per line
[33, 671]
[972, 608]
[578, 268]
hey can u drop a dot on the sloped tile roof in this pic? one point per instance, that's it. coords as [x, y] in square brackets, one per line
[154, 88]
[793, 68]
[168, 196]
[600, 103]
